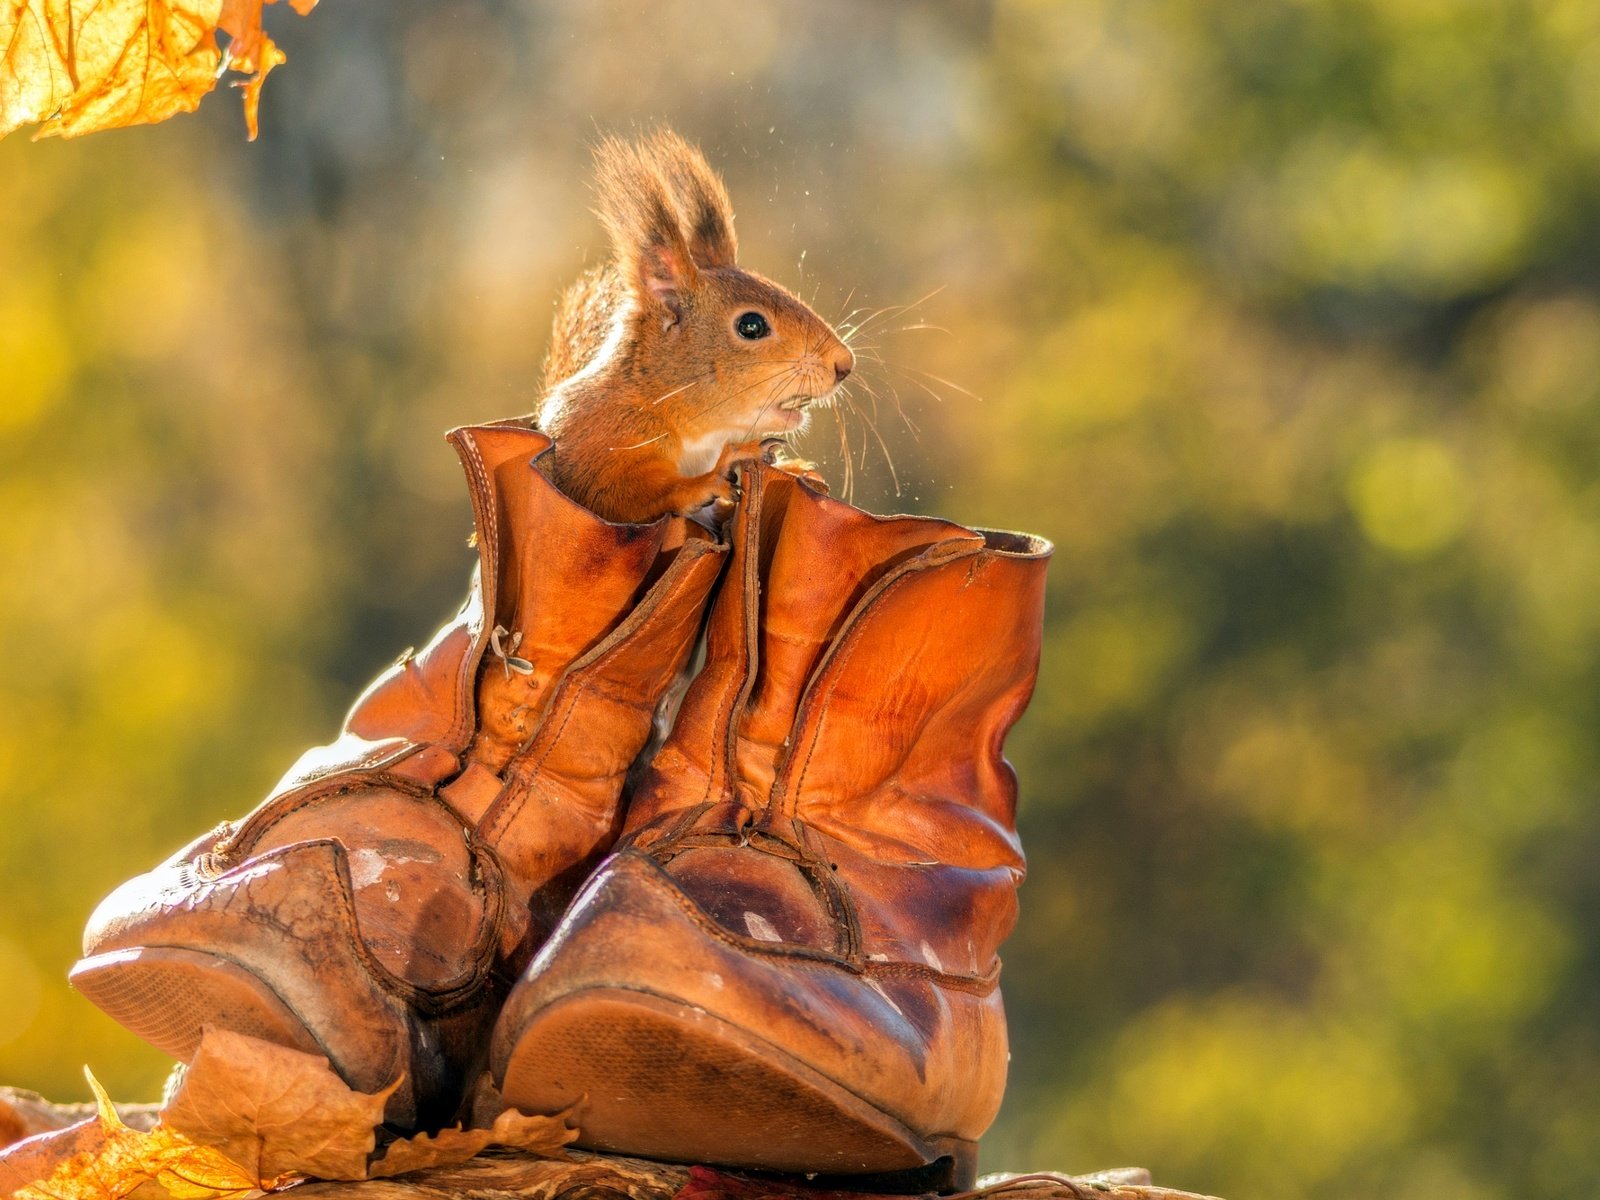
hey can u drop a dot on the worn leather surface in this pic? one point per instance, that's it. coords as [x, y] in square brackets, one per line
[472, 788]
[860, 683]
[824, 851]
[602, 618]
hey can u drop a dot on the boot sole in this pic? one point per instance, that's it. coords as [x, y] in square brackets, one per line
[669, 1081]
[168, 995]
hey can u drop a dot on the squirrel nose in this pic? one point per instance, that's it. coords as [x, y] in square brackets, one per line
[843, 365]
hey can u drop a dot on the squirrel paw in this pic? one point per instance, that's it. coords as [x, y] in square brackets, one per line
[735, 453]
[712, 513]
[775, 452]
[715, 499]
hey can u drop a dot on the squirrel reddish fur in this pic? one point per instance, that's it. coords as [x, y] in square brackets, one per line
[670, 363]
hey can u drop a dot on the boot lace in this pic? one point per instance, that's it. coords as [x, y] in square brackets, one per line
[506, 652]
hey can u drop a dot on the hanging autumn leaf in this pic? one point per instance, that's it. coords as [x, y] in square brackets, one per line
[78, 66]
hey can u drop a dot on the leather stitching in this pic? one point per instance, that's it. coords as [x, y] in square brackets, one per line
[723, 722]
[429, 999]
[575, 683]
[479, 485]
[805, 956]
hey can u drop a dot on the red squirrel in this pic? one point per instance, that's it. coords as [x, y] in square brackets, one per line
[670, 363]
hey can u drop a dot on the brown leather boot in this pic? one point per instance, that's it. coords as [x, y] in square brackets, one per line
[375, 908]
[790, 962]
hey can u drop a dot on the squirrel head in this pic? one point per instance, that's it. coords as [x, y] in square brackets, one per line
[721, 353]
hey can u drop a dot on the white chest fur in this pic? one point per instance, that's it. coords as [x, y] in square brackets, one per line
[700, 454]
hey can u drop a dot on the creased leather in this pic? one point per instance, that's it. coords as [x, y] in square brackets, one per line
[824, 850]
[473, 786]
[862, 674]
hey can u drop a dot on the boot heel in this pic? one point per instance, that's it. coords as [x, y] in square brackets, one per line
[166, 995]
[955, 1169]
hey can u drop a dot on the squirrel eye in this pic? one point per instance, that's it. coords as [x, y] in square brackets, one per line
[752, 325]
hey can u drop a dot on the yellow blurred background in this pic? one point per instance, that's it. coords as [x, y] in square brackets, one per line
[1281, 319]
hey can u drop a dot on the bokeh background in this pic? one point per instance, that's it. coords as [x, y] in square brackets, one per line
[1281, 319]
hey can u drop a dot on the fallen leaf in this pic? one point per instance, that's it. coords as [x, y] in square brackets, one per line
[275, 1111]
[23, 1114]
[77, 66]
[16, 1122]
[35, 1158]
[543, 1136]
[103, 1159]
[250, 1115]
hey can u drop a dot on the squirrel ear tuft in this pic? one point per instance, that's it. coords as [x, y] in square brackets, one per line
[700, 197]
[646, 237]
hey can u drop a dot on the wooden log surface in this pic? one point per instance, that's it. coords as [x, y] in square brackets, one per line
[496, 1175]
[499, 1174]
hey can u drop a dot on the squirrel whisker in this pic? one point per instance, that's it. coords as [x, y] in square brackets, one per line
[849, 329]
[681, 388]
[845, 456]
[872, 427]
[785, 372]
[913, 373]
[640, 445]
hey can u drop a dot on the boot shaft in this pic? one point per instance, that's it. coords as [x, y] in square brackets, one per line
[527, 709]
[862, 673]
[563, 579]
[798, 930]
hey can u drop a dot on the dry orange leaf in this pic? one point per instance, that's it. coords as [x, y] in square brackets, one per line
[103, 1159]
[33, 1160]
[25, 1114]
[77, 66]
[22, 1116]
[277, 1112]
[544, 1136]
[249, 1116]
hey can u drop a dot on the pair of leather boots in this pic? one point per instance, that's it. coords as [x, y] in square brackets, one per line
[772, 946]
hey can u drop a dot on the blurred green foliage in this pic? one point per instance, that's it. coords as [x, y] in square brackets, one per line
[1286, 322]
